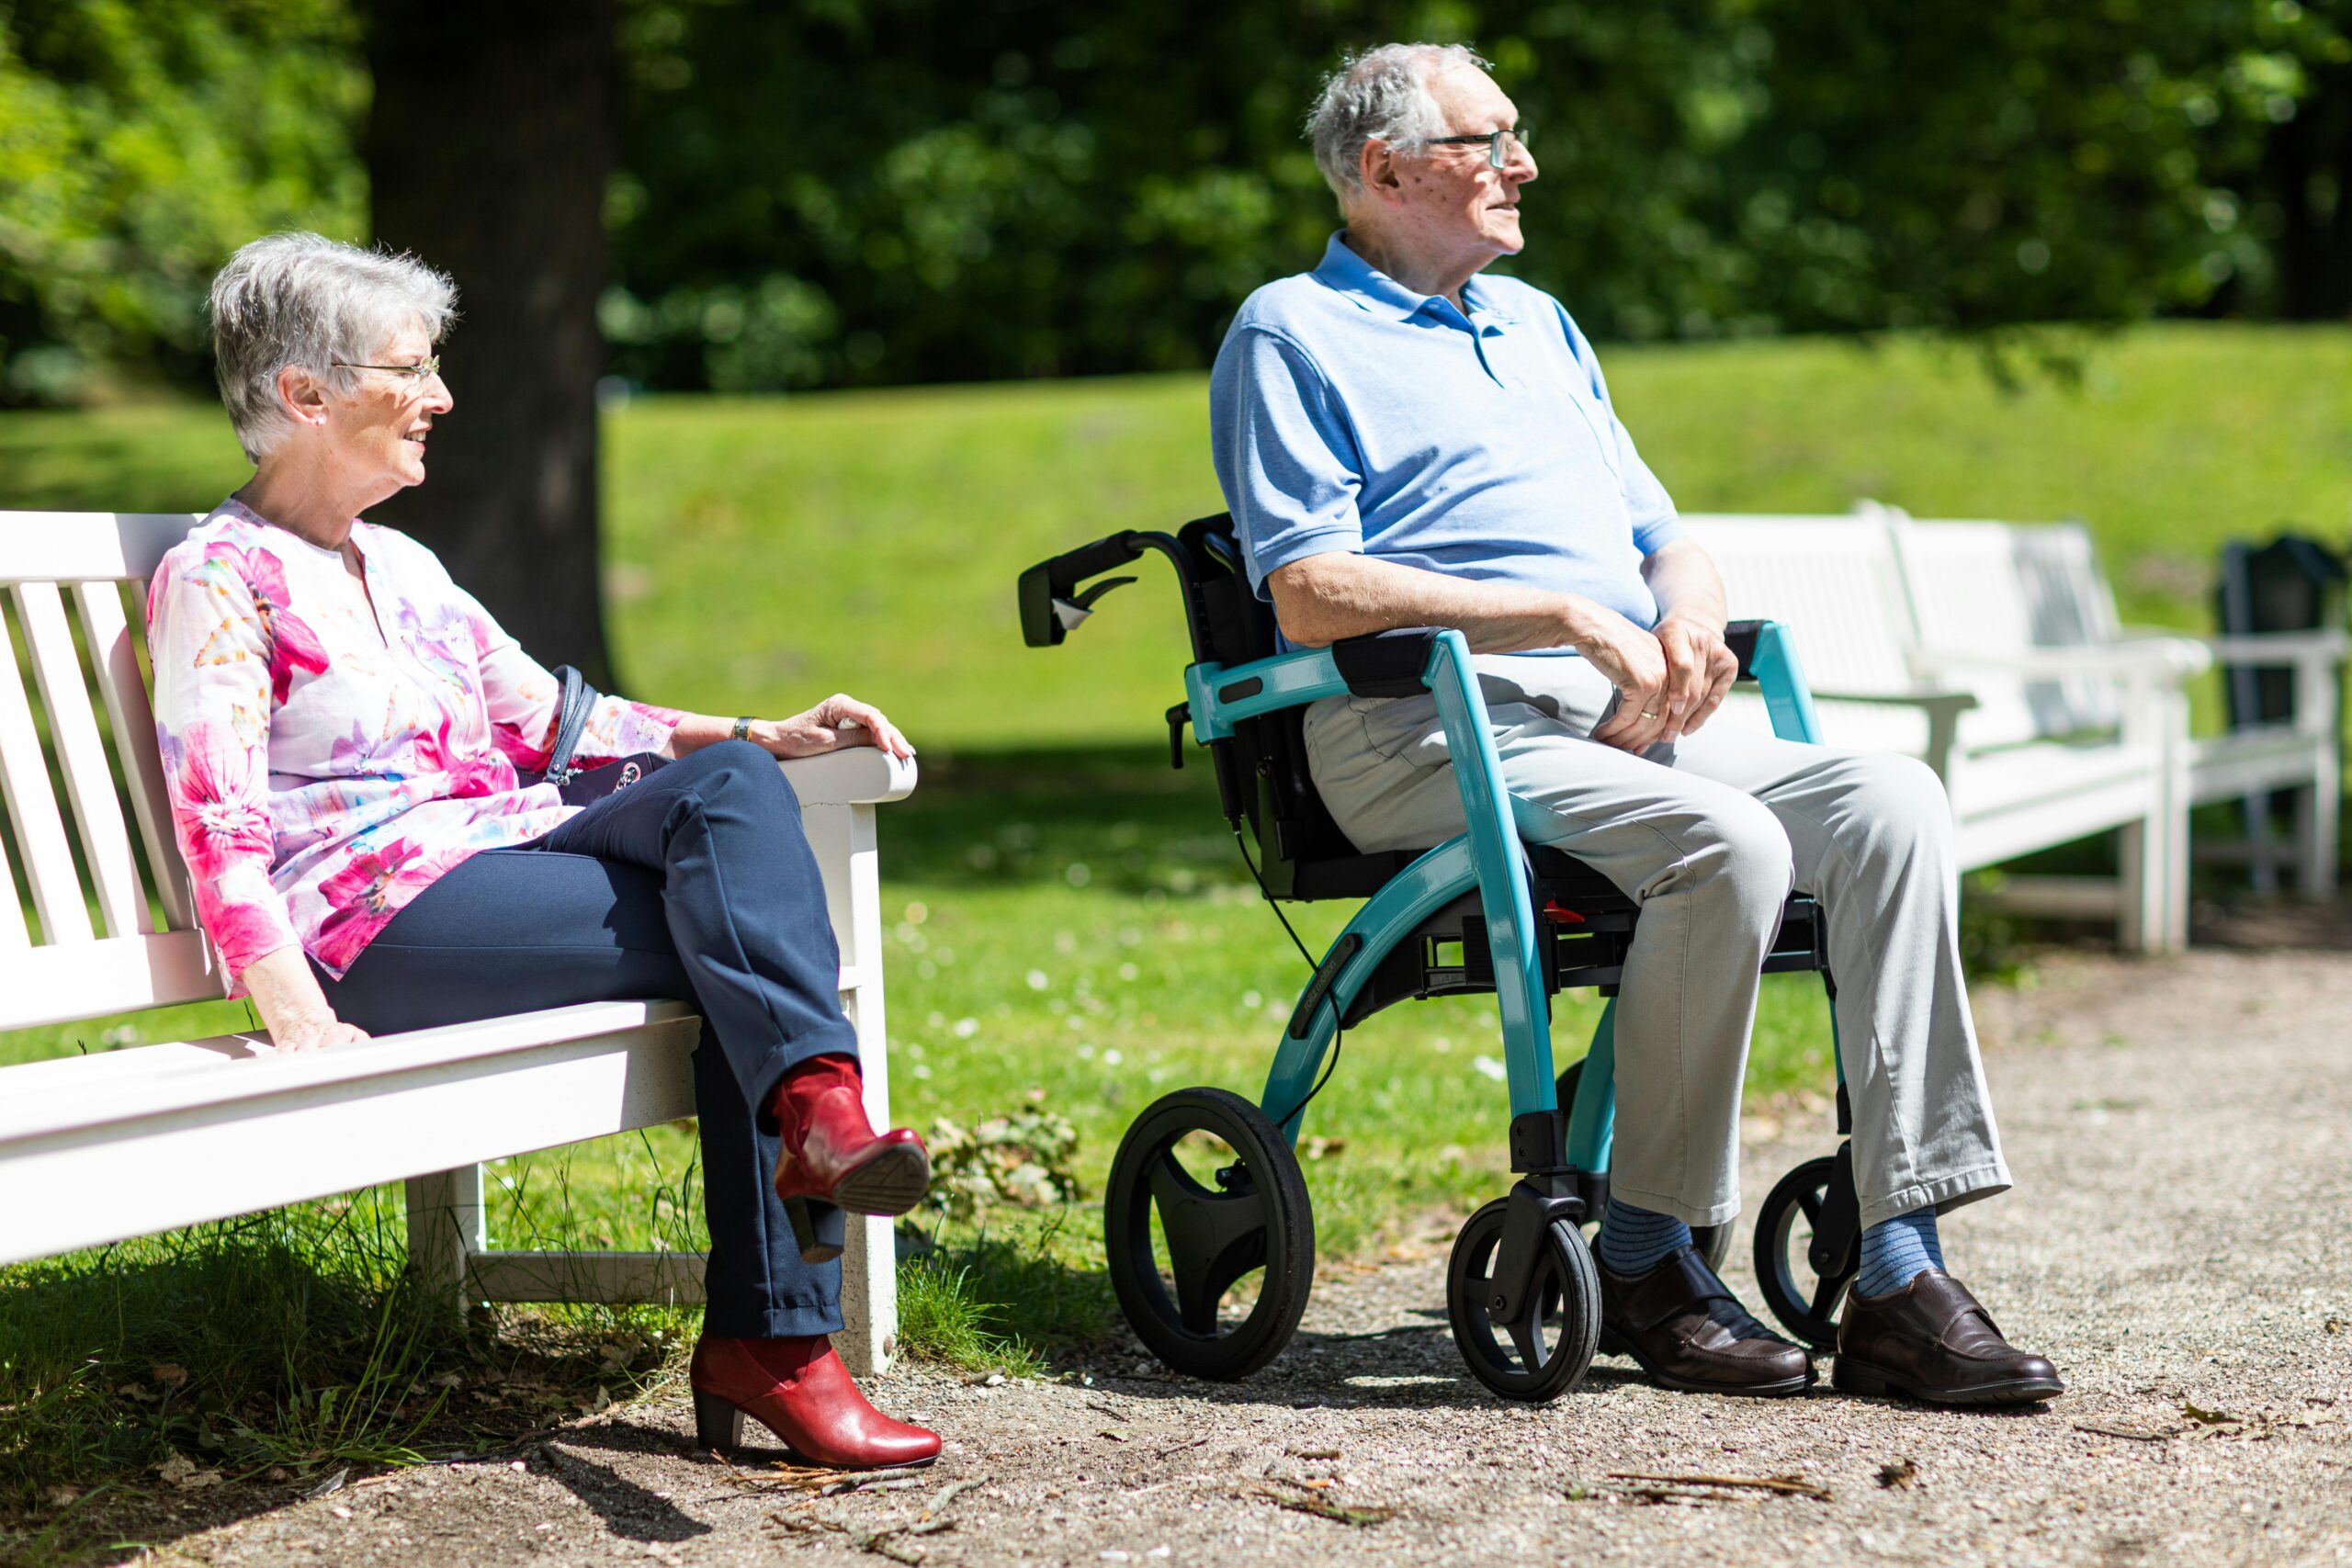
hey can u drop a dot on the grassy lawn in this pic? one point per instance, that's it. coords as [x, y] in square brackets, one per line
[1069, 924]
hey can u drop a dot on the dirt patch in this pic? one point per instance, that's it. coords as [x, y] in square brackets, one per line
[2175, 1243]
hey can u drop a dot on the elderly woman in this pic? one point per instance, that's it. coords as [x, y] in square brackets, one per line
[343, 731]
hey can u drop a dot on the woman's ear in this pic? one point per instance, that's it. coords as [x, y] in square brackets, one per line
[303, 395]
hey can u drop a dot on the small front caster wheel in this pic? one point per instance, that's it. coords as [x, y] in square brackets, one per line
[1713, 1242]
[1211, 1240]
[1804, 1299]
[1541, 1351]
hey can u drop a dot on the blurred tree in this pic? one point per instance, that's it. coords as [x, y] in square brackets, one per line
[491, 140]
[141, 143]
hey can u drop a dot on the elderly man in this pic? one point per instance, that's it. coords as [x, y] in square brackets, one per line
[1404, 441]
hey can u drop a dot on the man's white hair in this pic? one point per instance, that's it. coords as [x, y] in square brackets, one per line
[305, 300]
[1381, 93]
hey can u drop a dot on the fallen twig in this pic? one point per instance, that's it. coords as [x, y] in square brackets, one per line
[2127, 1433]
[1324, 1508]
[1793, 1486]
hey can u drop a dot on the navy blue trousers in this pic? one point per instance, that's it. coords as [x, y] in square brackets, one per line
[695, 883]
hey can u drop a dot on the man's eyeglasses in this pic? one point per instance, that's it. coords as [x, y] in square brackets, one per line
[418, 372]
[1500, 143]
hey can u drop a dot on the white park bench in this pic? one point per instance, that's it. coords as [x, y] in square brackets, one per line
[2014, 787]
[2044, 585]
[100, 1147]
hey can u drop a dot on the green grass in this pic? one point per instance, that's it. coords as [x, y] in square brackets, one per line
[1068, 921]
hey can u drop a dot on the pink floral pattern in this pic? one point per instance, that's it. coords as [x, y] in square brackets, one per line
[322, 773]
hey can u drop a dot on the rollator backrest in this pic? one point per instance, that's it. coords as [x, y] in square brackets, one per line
[1262, 771]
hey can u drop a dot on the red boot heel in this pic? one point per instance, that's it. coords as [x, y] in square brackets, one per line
[821, 1230]
[719, 1423]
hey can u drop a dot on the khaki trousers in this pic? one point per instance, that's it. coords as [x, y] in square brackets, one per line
[1709, 835]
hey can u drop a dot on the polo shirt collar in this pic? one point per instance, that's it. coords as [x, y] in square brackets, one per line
[1345, 273]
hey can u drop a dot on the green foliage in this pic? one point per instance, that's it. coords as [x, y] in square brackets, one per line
[973, 192]
[1001, 1303]
[1023, 1160]
[141, 142]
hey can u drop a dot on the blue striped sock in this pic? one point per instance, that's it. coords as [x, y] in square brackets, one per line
[1895, 1251]
[1635, 1241]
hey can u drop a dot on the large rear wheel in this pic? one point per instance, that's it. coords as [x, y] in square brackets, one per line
[1209, 1234]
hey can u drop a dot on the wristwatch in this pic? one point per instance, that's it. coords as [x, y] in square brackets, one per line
[742, 729]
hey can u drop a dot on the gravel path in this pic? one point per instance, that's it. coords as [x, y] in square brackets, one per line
[2177, 1244]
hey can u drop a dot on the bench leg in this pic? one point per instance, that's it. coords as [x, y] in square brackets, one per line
[842, 837]
[447, 1225]
[2316, 807]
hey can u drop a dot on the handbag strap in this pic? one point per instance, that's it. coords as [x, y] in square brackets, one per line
[578, 698]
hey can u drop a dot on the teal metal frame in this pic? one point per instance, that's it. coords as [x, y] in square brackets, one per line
[1489, 856]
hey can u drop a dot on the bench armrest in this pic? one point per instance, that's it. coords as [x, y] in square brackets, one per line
[2170, 659]
[856, 775]
[1934, 699]
[2280, 647]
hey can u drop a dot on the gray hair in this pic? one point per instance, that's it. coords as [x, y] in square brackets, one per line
[304, 300]
[1380, 93]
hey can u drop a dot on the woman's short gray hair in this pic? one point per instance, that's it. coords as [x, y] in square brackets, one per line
[1381, 93]
[306, 301]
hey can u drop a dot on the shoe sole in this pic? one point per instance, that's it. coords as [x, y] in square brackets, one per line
[1849, 1376]
[891, 1183]
[1613, 1345]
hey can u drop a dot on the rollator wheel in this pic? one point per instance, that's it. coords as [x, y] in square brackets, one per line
[1805, 1301]
[1210, 1236]
[1545, 1351]
[1713, 1242]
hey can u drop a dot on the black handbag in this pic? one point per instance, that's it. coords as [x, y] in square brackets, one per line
[585, 786]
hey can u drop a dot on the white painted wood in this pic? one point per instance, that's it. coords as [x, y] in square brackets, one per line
[88, 547]
[241, 1136]
[448, 1225]
[32, 811]
[90, 979]
[673, 1279]
[114, 659]
[14, 935]
[82, 755]
[868, 1341]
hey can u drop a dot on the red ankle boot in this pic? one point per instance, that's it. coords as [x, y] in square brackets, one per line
[798, 1389]
[831, 1154]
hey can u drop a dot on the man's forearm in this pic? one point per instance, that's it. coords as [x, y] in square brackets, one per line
[1326, 598]
[1686, 584]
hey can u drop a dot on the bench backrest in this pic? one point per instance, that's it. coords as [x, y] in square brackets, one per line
[2001, 588]
[111, 926]
[1834, 583]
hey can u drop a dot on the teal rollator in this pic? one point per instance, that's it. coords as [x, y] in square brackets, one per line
[1210, 1236]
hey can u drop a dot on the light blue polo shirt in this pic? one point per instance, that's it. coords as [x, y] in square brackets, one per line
[1348, 412]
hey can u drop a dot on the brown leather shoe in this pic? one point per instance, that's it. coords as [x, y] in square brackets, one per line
[1689, 1332]
[1931, 1341]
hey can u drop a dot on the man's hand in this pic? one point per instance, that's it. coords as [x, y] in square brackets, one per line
[1700, 671]
[1635, 663]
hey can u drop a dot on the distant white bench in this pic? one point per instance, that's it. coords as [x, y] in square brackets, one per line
[1992, 651]
[97, 1148]
[2014, 788]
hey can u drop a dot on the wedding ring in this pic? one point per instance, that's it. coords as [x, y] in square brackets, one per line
[1647, 714]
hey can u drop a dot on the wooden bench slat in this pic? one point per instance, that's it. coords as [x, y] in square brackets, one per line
[32, 809]
[187, 1157]
[114, 663]
[88, 547]
[82, 753]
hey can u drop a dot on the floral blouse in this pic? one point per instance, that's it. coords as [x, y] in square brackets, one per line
[328, 760]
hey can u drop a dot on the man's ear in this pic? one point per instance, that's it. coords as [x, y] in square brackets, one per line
[302, 395]
[1376, 166]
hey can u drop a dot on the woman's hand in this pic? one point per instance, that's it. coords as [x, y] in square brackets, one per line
[837, 723]
[316, 1035]
[291, 1004]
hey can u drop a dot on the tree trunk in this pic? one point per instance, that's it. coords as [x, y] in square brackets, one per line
[494, 129]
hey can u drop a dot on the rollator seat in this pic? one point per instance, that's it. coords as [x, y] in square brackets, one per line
[1265, 779]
